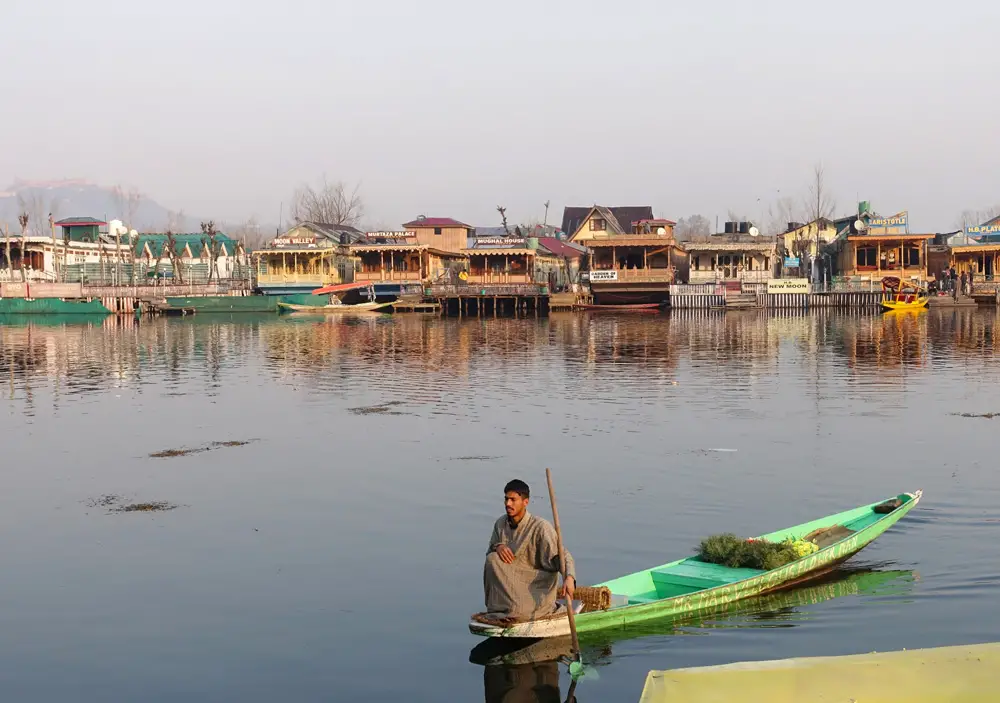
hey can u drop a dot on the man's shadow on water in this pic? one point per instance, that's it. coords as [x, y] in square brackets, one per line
[523, 670]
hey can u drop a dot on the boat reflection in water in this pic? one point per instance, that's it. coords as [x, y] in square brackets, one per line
[524, 670]
[528, 670]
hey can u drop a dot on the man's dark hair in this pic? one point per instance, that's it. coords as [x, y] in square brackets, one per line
[519, 487]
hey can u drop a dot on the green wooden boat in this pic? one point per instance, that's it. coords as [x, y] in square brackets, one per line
[689, 585]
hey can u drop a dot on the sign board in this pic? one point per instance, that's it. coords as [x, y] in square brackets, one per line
[294, 241]
[600, 276]
[788, 285]
[510, 242]
[791, 262]
[399, 234]
[984, 229]
[897, 220]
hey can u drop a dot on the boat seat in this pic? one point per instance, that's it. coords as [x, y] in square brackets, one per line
[639, 600]
[700, 574]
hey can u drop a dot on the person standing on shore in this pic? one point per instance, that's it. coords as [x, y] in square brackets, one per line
[961, 279]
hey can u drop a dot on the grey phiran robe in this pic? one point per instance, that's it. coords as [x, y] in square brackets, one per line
[526, 589]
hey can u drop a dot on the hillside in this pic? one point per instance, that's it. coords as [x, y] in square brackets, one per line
[79, 198]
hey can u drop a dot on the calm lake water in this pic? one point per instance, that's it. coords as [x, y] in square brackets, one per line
[338, 555]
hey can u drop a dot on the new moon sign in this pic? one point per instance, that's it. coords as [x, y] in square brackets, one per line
[788, 285]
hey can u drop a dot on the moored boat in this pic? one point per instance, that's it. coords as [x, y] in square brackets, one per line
[690, 585]
[335, 308]
[634, 307]
[899, 296]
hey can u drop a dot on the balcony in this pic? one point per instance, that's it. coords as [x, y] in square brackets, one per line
[665, 275]
[498, 278]
[385, 276]
[298, 279]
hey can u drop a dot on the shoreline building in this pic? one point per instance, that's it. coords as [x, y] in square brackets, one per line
[740, 254]
[634, 256]
[310, 255]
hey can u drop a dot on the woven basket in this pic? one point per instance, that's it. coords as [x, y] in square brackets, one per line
[593, 598]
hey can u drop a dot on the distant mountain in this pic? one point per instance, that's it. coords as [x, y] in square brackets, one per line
[79, 198]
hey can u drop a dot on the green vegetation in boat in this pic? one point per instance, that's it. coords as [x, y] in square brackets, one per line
[695, 583]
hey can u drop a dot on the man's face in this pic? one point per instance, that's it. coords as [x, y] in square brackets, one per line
[514, 504]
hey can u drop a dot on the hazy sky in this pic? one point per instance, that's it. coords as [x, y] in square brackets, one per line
[451, 108]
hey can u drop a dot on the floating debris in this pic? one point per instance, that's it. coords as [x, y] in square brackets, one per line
[185, 451]
[150, 507]
[383, 409]
[119, 504]
[475, 458]
[105, 501]
[987, 416]
[177, 452]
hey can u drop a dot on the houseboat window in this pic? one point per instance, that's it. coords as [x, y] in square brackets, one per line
[597, 224]
[867, 256]
[697, 264]
[912, 257]
[437, 230]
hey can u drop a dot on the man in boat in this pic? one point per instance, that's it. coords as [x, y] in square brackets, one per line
[521, 575]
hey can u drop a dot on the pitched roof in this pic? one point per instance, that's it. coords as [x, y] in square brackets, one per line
[79, 222]
[436, 222]
[623, 216]
[341, 234]
[157, 242]
[561, 248]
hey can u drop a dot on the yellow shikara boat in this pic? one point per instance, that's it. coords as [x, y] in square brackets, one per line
[899, 296]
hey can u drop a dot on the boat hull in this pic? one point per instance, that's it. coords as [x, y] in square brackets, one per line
[334, 309]
[900, 306]
[788, 576]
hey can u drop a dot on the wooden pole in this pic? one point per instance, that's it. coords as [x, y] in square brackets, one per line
[562, 564]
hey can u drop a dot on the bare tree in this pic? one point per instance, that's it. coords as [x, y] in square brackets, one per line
[971, 218]
[503, 218]
[330, 203]
[23, 219]
[175, 258]
[176, 221]
[780, 214]
[212, 245]
[818, 202]
[6, 236]
[692, 227]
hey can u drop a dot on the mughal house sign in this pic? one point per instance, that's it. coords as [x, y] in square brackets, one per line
[600, 276]
[508, 242]
[788, 285]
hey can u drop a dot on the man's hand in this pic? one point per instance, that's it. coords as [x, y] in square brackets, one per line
[506, 555]
[569, 587]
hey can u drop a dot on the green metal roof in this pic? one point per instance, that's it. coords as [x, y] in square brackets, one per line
[195, 241]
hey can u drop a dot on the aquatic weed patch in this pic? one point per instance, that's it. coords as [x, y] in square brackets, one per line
[985, 416]
[120, 504]
[380, 409]
[155, 506]
[186, 451]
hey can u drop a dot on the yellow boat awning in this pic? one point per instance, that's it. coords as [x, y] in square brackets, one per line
[965, 674]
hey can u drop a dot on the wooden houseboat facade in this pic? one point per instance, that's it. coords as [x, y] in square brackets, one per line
[630, 262]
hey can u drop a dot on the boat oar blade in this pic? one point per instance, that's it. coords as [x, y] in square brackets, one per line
[578, 670]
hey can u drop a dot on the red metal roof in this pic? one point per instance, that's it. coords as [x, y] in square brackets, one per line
[559, 247]
[436, 222]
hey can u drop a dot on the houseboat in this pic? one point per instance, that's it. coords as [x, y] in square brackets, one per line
[739, 255]
[634, 257]
[308, 256]
[877, 246]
